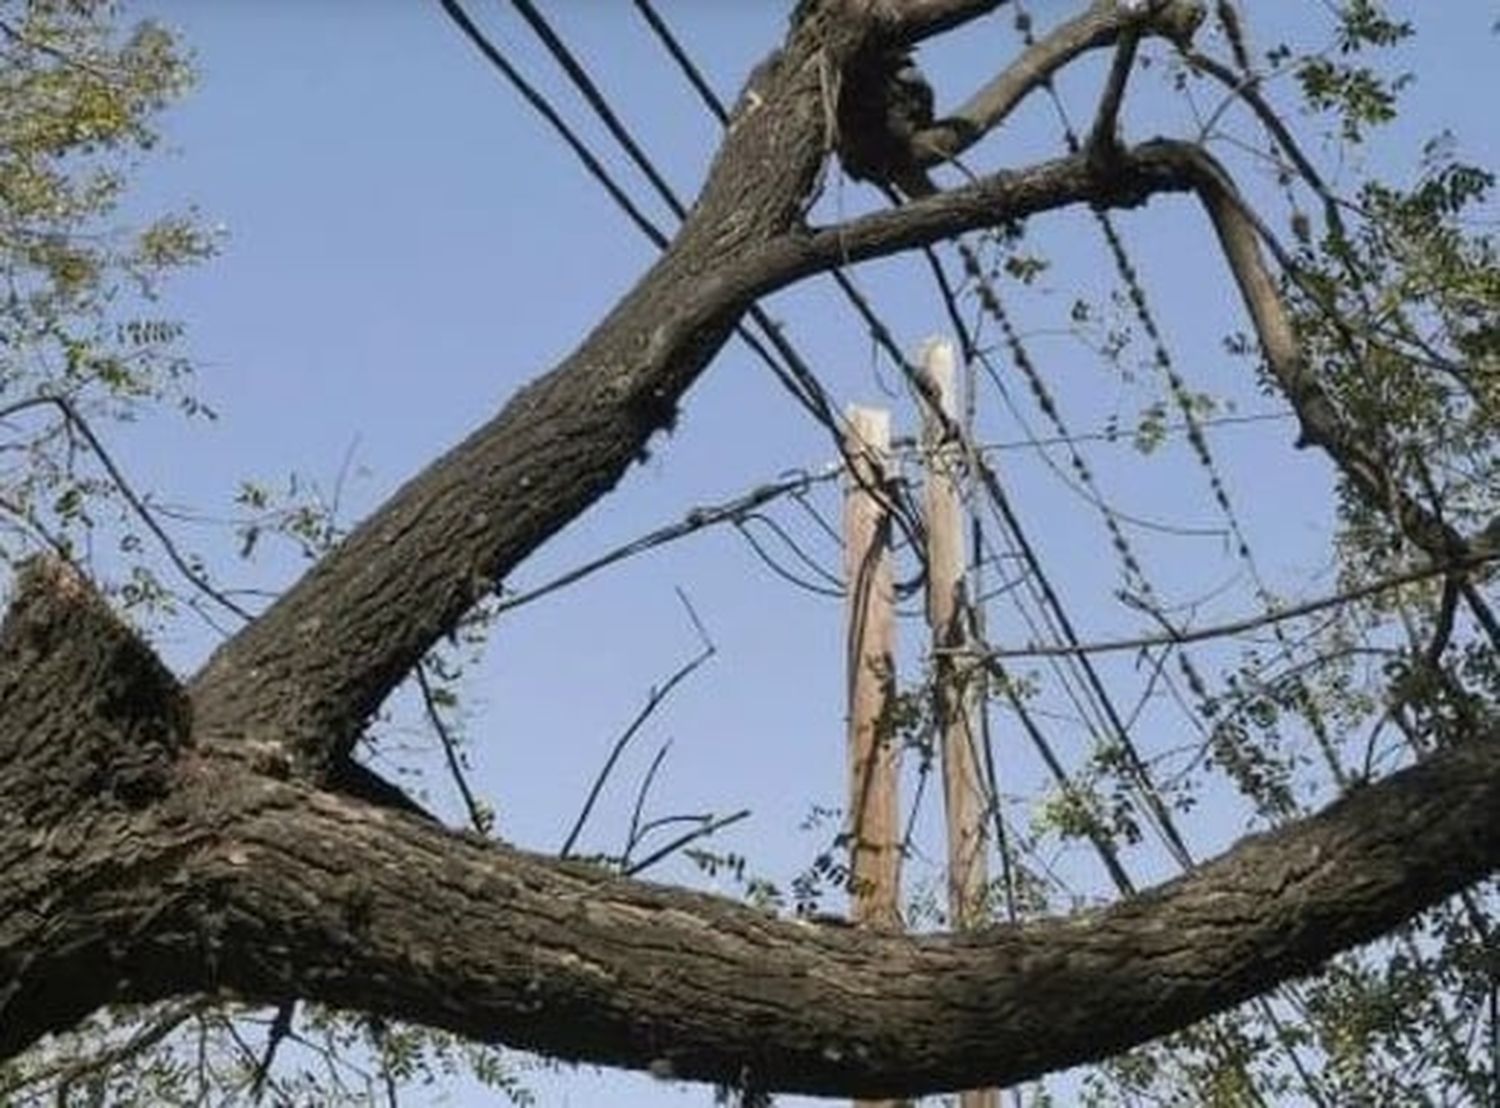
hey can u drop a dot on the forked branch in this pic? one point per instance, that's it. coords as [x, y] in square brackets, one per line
[1101, 24]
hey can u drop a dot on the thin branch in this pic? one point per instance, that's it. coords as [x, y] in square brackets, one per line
[478, 819]
[1246, 87]
[634, 834]
[281, 1027]
[653, 701]
[708, 828]
[1239, 626]
[137, 505]
[1100, 25]
[1104, 139]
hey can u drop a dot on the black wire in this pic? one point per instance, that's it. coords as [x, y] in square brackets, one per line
[797, 378]
[539, 104]
[596, 100]
[684, 63]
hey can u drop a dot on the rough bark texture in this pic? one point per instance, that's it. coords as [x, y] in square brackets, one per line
[228, 879]
[156, 840]
[315, 666]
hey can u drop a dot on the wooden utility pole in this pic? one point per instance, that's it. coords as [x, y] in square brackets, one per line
[956, 688]
[874, 756]
[874, 753]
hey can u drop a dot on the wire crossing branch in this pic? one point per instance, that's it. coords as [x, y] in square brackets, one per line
[158, 839]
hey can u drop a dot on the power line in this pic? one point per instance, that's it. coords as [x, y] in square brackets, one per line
[796, 376]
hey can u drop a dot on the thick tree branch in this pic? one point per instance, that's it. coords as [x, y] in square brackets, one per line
[232, 880]
[311, 670]
[1321, 422]
[1101, 24]
[145, 856]
[913, 20]
[299, 892]
[1133, 178]
[72, 673]
[92, 732]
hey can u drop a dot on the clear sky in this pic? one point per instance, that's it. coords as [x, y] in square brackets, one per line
[406, 243]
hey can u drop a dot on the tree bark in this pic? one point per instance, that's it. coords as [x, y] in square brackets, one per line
[157, 840]
[210, 873]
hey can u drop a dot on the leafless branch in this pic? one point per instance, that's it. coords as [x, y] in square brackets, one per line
[280, 1028]
[1101, 24]
[1235, 627]
[635, 831]
[478, 817]
[653, 701]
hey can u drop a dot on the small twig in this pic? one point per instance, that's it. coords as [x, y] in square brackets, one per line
[1246, 88]
[472, 806]
[681, 841]
[138, 506]
[636, 832]
[652, 826]
[653, 701]
[1178, 637]
[692, 613]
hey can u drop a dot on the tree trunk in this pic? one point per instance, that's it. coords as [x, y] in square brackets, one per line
[156, 840]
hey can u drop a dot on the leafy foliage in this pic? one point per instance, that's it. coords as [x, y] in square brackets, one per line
[1397, 303]
[81, 93]
[1396, 298]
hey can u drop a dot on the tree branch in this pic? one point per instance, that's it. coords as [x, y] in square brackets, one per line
[311, 670]
[369, 910]
[1321, 423]
[1101, 24]
[227, 876]
[913, 20]
[1175, 637]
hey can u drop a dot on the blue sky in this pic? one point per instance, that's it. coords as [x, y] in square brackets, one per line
[405, 244]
